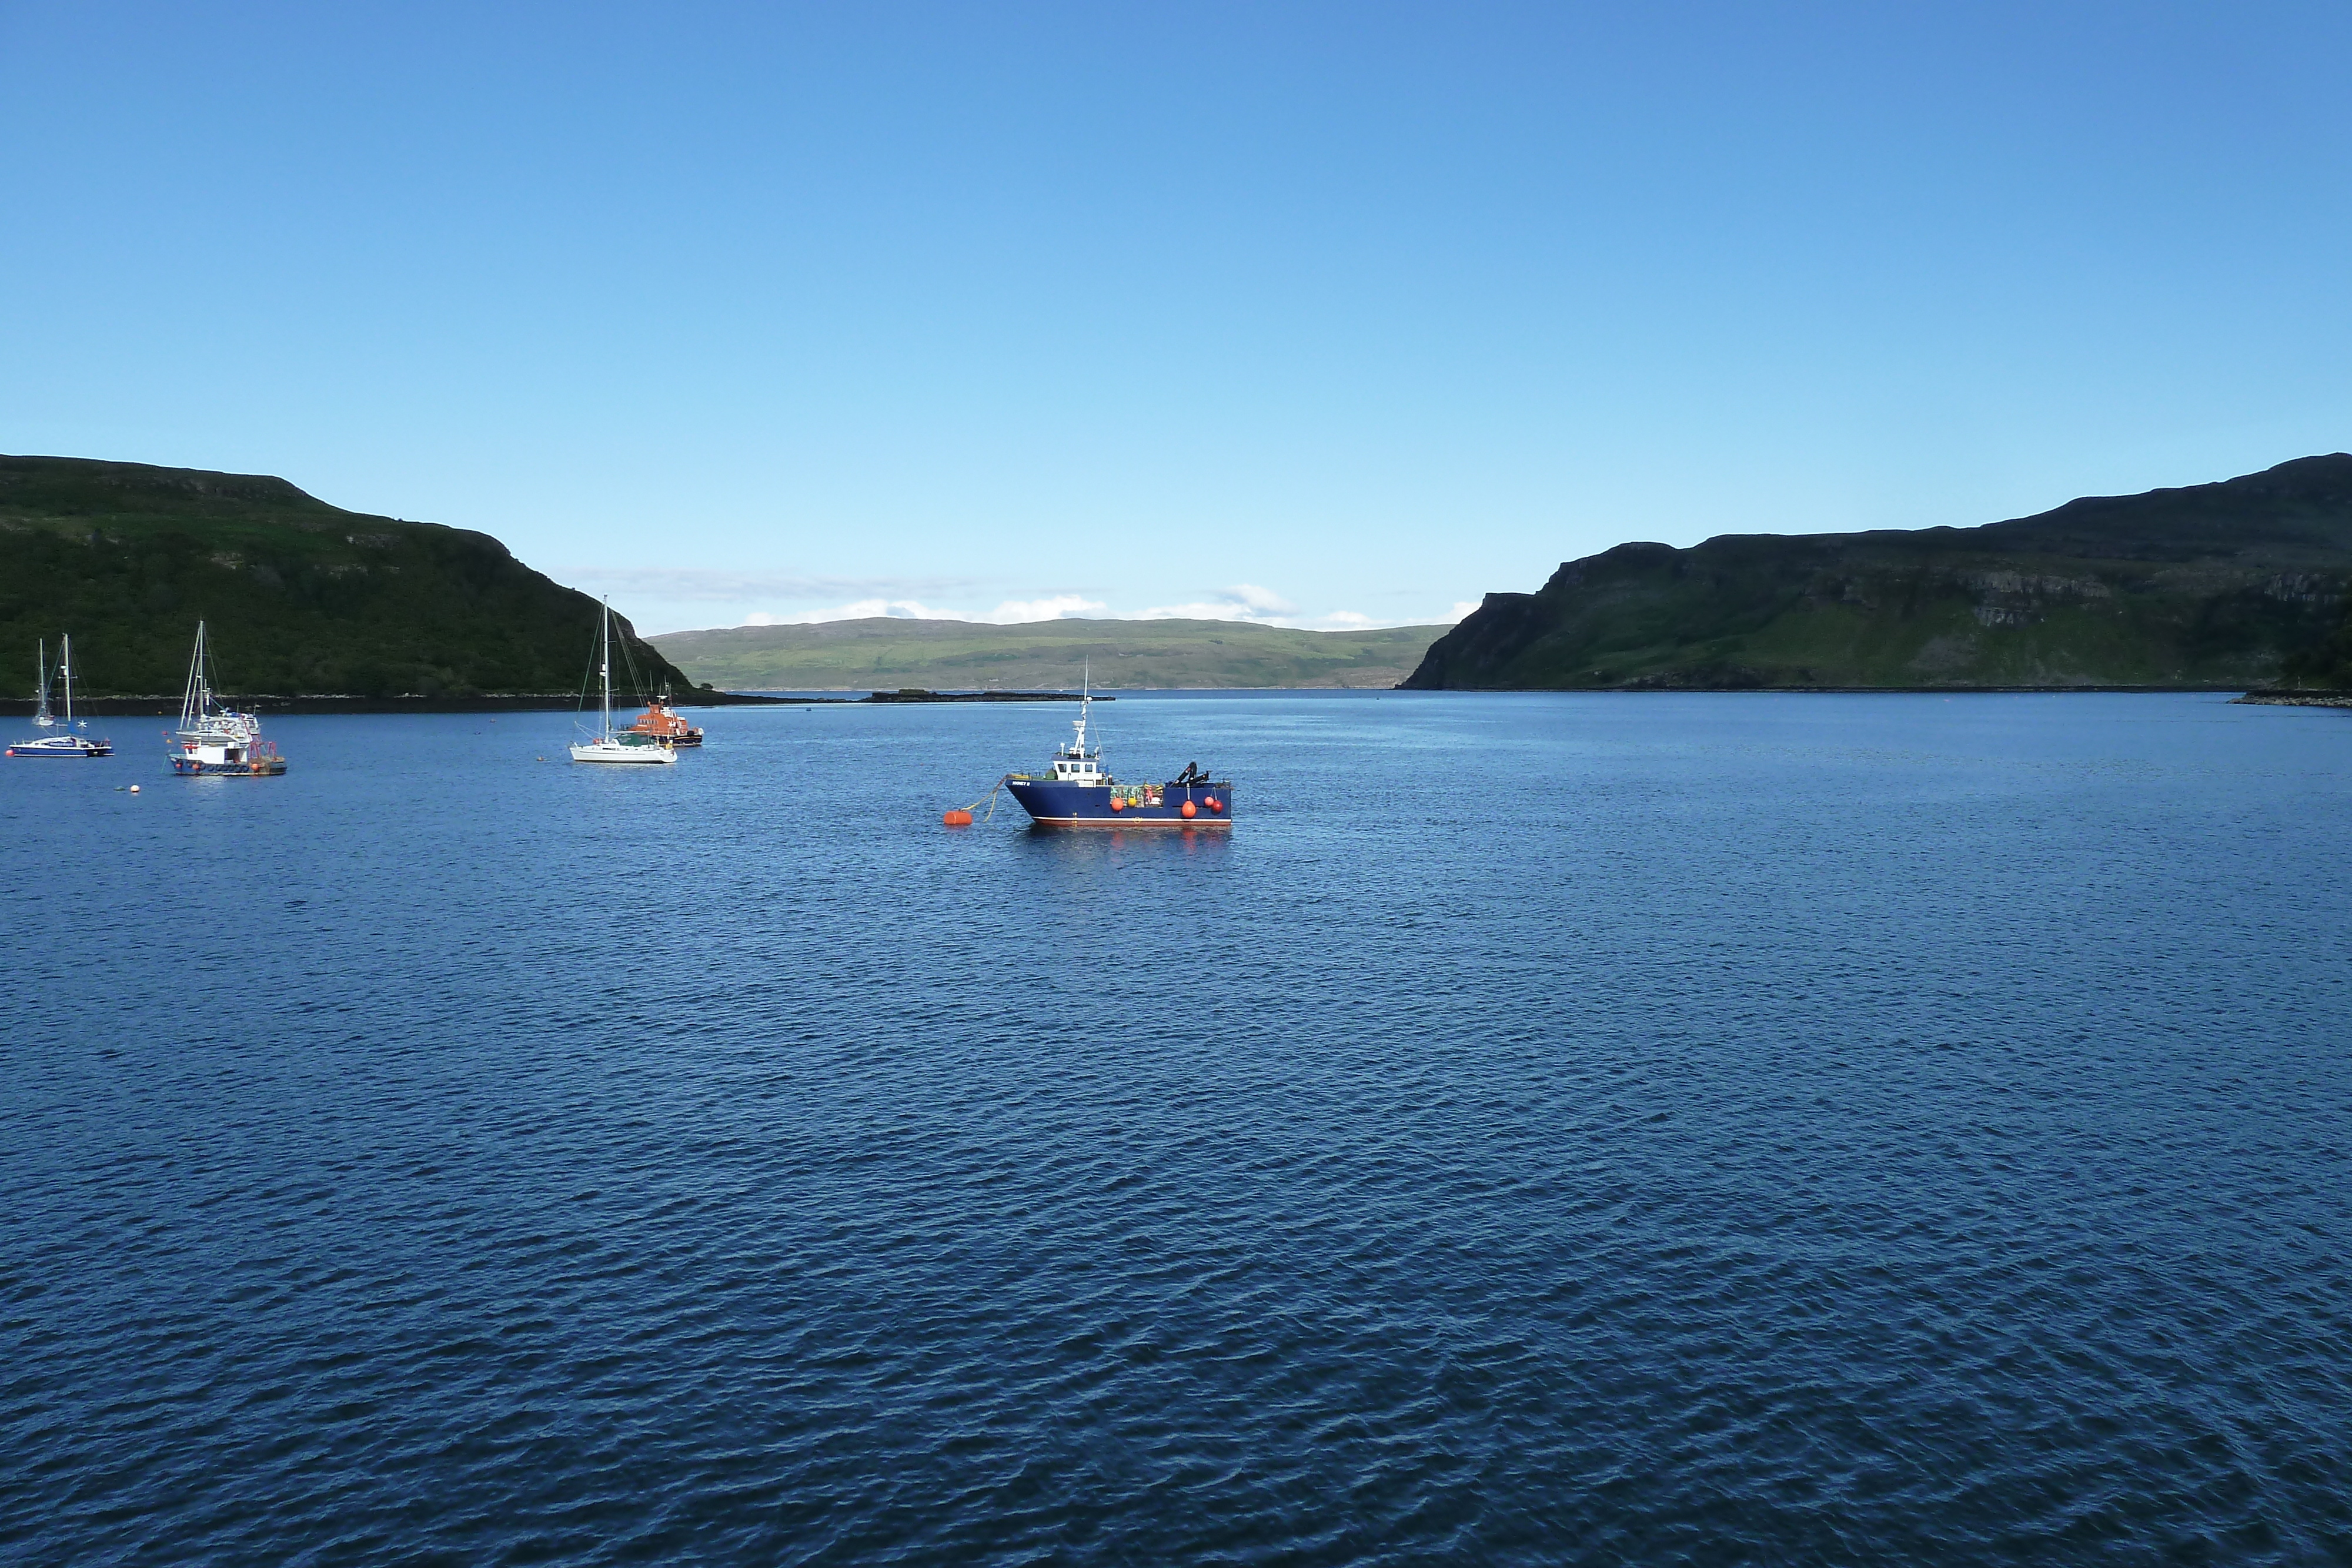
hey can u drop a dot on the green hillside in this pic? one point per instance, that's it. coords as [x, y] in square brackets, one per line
[883, 652]
[301, 597]
[2221, 585]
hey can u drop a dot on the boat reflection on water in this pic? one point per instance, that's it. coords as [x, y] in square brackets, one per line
[1124, 846]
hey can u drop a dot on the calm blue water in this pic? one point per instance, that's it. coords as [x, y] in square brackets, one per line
[1657, 1129]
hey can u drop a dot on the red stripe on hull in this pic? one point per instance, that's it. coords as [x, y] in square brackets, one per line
[1124, 821]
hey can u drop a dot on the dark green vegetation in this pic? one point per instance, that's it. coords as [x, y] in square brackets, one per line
[301, 597]
[2223, 585]
[2327, 662]
[882, 653]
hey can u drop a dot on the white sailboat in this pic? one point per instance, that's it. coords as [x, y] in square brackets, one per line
[605, 745]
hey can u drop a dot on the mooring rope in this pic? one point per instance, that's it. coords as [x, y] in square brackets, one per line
[989, 798]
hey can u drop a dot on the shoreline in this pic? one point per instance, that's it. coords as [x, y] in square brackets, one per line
[513, 701]
[2297, 699]
[558, 702]
[315, 702]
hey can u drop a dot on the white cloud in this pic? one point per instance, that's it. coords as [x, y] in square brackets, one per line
[1264, 601]
[1011, 612]
[1054, 607]
[856, 609]
[699, 585]
[668, 595]
[1242, 602]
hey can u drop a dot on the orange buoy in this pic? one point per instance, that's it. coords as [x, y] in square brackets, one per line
[957, 819]
[1118, 802]
[1211, 802]
[1188, 809]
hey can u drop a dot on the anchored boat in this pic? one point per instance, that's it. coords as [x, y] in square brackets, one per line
[1079, 791]
[662, 722]
[627, 746]
[67, 743]
[213, 739]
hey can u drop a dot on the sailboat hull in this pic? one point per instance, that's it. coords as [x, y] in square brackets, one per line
[60, 745]
[623, 754]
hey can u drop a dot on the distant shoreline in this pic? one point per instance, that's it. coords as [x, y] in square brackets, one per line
[564, 702]
[519, 702]
[2298, 699]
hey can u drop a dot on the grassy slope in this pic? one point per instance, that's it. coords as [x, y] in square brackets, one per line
[2212, 585]
[301, 597]
[880, 653]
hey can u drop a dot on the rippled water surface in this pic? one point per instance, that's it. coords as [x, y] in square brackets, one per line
[1658, 1129]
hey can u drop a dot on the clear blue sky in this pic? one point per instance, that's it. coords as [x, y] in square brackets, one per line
[1367, 309]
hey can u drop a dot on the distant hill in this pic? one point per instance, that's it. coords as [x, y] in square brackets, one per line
[883, 652]
[2218, 585]
[301, 597]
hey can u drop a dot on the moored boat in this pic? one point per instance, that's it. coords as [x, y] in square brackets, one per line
[605, 745]
[214, 740]
[1079, 791]
[69, 741]
[662, 722]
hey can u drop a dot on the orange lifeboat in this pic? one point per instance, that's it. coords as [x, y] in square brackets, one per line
[661, 721]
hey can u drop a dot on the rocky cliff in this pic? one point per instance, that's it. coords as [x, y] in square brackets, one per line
[301, 597]
[2213, 585]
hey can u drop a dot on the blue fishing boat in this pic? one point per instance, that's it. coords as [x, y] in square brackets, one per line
[70, 741]
[1079, 791]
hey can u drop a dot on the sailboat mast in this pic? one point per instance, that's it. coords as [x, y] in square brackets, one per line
[65, 669]
[42, 653]
[188, 696]
[605, 664]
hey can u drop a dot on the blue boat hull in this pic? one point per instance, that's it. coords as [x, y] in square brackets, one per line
[80, 749]
[1052, 805]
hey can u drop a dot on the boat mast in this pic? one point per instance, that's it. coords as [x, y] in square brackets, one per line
[41, 717]
[197, 697]
[605, 665]
[65, 669]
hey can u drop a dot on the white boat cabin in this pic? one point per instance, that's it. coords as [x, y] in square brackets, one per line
[1074, 763]
[219, 739]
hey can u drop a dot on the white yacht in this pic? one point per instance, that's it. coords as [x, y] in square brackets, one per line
[627, 746]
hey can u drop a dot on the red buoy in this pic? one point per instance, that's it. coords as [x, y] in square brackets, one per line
[1212, 803]
[1118, 802]
[1188, 809]
[956, 819]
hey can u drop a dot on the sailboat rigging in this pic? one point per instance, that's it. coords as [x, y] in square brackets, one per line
[606, 744]
[67, 743]
[216, 740]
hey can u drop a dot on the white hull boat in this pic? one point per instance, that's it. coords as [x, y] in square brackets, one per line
[627, 747]
[616, 750]
[214, 741]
